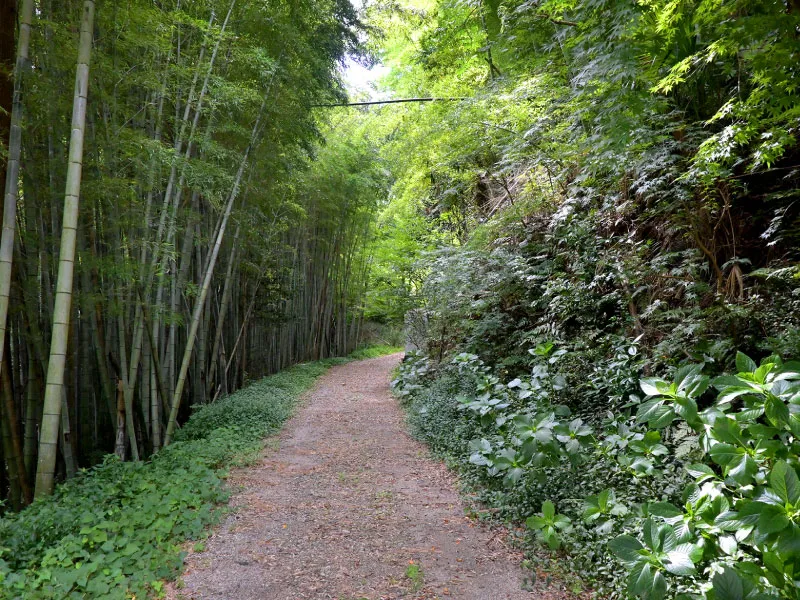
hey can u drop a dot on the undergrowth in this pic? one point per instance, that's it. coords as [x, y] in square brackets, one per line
[375, 351]
[690, 491]
[114, 531]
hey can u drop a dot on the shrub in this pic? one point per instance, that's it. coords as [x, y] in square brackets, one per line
[693, 496]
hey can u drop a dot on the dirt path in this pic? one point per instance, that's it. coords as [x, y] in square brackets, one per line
[349, 507]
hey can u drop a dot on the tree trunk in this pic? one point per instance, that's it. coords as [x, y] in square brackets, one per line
[51, 415]
[213, 379]
[10, 416]
[11, 187]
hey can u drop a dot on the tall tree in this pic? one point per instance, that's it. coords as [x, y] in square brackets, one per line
[14, 123]
[51, 417]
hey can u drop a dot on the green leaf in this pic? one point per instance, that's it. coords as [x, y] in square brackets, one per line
[679, 562]
[743, 469]
[745, 364]
[665, 510]
[561, 521]
[783, 479]
[772, 519]
[640, 580]
[603, 497]
[514, 475]
[626, 548]
[789, 541]
[535, 522]
[653, 386]
[727, 585]
[777, 412]
[656, 413]
[700, 472]
[730, 394]
[659, 588]
[548, 510]
[724, 454]
[659, 537]
[728, 544]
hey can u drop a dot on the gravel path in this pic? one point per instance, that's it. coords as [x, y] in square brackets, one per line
[345, 505]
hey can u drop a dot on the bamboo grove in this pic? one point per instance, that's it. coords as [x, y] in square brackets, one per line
[167, 232]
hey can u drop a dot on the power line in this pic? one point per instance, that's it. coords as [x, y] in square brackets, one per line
[399, 100]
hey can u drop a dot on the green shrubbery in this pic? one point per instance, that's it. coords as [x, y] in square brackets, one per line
[114, 531]
[683, 492]
[375, 351]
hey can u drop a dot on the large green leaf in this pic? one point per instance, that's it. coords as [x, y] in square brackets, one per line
[742, 469]
[641, 579]
[745, 364]
[772, 519]
[700, 471]
[535, 522]
[659, 587]
[654, 386]
[730, 394]
[627, 548]
[777, 411]
[679, 561]
[727, 585]
[656, 413]
[724, 454]
[665, 510]
[784, 481]
[789, 541]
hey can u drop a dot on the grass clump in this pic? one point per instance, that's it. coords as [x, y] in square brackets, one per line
[115, 530]
[375, 351]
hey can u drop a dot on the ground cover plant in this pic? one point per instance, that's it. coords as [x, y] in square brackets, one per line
[114, 531]
[690, 492]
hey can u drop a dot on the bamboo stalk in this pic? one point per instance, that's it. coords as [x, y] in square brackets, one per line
[51, 416]
[11, 192]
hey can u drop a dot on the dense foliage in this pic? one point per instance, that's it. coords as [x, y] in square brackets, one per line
[215, 236]
[609, 195]
[714, 491]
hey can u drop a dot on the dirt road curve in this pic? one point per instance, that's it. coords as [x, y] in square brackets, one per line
[346, 506]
